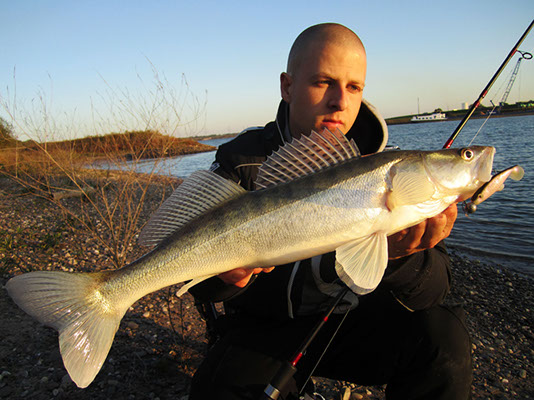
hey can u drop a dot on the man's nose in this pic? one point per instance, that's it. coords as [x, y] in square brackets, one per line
[338, 98]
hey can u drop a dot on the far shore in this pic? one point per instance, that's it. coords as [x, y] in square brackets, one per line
[458, 115]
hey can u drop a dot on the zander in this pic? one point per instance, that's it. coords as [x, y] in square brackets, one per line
[315, 195]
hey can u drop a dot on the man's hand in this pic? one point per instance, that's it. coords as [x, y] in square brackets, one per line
[240, 276]
[422, 236]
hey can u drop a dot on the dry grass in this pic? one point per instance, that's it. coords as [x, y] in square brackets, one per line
[87, 199]
[55, 169]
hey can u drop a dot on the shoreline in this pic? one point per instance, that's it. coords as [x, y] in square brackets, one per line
[161, 340]
[458, 116]
[515, 264]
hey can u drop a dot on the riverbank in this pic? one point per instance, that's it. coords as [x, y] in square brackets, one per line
[161, 342]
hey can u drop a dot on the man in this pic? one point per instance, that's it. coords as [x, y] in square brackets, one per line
[399, 334]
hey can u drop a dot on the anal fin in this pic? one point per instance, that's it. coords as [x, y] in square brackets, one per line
[190, 284]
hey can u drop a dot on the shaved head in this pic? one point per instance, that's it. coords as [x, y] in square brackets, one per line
[317, 36]
[325, 78]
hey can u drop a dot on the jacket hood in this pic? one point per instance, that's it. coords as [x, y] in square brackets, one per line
[369, 131]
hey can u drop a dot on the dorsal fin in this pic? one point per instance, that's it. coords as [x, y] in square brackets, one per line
[305, 156]
[197, 194]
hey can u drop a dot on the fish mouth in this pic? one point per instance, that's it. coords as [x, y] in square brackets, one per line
[486, 165]
[482, 173]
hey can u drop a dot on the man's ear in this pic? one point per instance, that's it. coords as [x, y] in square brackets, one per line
[285, 86]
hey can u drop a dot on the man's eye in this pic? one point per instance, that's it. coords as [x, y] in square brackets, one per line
[355, 88]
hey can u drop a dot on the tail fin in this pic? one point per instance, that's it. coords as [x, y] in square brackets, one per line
[74, 306]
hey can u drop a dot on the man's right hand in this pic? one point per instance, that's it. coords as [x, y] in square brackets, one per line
[240, 276]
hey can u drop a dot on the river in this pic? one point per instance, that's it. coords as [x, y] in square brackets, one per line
[501, 231]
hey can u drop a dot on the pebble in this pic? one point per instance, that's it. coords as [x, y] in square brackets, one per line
[66, 380]
[522, 373]
[132, 325]
[345, 395]
[140, 353]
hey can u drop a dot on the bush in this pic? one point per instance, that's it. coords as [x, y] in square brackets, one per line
[7, 138]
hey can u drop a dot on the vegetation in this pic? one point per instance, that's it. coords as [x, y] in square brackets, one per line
[105, 204]
[131, 145]
[7, 138]
[95, 200]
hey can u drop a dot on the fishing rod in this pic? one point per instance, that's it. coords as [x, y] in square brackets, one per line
[473, 107]
[273, 390]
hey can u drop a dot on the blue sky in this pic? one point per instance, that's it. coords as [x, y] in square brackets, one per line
[94, 66]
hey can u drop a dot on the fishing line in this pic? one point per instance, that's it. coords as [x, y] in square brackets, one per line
[326, 347]
[484, 92]
[509, 81]
[484, 123]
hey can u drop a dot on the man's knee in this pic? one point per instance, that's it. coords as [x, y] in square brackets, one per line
[449, 339]
[441, 365]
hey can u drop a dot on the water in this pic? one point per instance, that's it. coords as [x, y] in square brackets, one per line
[502, 229]
[181, 166]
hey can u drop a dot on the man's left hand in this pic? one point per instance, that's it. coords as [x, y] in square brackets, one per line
[422, 236]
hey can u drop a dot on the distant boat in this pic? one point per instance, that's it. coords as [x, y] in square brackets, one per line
[438, 116]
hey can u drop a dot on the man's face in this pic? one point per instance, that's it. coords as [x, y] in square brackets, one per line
[325, 91]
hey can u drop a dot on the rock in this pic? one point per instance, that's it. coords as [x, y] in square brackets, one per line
[345, 395]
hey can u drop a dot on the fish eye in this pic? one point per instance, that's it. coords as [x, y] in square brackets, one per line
[467, 154]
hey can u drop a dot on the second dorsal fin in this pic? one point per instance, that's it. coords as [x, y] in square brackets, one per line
[305, 156]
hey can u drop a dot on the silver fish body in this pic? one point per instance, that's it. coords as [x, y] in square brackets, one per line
[316, 197]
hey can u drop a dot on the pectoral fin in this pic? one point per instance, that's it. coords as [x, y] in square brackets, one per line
[408, 189]
[361, 263]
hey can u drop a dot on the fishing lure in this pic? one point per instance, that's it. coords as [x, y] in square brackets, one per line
[495, 184]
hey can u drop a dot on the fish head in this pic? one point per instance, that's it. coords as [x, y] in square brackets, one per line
[459, 171]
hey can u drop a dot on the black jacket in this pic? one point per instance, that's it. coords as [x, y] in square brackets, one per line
[417, 282]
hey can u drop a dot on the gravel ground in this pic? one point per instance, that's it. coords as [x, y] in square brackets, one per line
[161, 340]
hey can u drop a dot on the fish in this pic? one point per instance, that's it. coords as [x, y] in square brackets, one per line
[314, 195]
[496, 184]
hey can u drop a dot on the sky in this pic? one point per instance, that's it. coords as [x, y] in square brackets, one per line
[211, 67]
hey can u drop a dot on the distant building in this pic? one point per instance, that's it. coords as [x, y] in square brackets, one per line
[465, 105]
